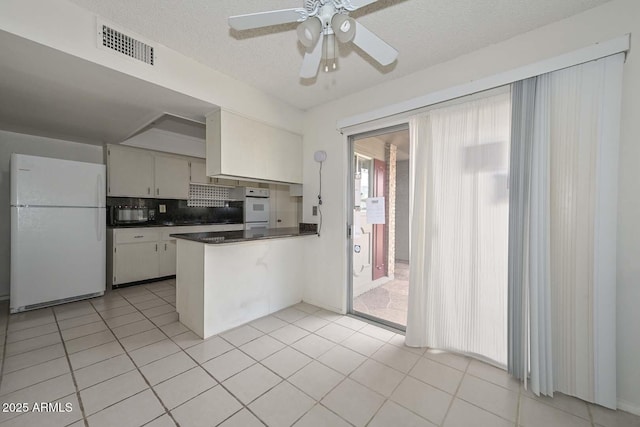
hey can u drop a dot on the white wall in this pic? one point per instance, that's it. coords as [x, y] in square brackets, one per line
[37, 146]
[326, 260]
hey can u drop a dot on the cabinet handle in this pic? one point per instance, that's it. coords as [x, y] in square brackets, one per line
[148, 190]
[157, 191]
[279, 220]
[138, 237]
[165, 246]
[156, 247]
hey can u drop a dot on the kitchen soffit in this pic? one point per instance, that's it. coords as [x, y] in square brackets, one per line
[77, 100]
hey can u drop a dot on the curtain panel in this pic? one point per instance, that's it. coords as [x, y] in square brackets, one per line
[459, 228]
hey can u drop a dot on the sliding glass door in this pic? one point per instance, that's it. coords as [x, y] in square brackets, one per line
[379, 247]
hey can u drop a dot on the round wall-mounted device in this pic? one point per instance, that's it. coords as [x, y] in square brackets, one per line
[320, 156]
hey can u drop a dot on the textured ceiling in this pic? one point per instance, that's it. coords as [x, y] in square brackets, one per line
[426, 32]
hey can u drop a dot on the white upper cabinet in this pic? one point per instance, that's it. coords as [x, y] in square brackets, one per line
[129, 172]
[199, 172]
[172, 177]
[240, 147]
[135, 172]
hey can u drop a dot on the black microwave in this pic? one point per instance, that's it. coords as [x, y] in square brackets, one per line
[129, 215]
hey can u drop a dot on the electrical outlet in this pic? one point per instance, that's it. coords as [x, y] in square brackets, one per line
[314, 211]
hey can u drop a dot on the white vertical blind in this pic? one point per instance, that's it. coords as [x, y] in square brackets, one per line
[569, 213]
[459, 236]
[584, 131]
[538, 283]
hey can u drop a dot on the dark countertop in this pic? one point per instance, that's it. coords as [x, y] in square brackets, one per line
[243, 235]
[171, 224]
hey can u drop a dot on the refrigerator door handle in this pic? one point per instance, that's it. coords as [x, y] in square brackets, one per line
[99, 209]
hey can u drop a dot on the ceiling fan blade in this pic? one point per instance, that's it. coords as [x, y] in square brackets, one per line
[352, 5]
[266, 19]
[311, 61]
[374, 46]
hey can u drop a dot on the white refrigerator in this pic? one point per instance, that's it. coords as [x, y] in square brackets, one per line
[58, 228]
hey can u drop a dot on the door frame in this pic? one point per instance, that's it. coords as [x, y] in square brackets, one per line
[351, 138]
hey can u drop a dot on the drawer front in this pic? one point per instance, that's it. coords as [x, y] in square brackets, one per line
[136, 235]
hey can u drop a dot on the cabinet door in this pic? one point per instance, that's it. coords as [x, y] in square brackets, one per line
[130, 172]
[167, 259]
[199, 172]
[243, 147]
[135, 261]
[172, 177]
[285, 214]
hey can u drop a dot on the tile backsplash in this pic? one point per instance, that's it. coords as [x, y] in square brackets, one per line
[180, 211]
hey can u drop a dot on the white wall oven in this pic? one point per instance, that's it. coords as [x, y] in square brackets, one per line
[256, 206]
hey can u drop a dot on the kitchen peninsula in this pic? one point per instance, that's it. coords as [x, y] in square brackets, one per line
[226, 279]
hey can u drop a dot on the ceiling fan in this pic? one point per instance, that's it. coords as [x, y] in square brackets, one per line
[321, 23]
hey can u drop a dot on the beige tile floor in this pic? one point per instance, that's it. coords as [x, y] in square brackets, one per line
[124, 360]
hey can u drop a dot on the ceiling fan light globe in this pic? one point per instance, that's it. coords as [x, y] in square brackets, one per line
[343, 27]
[309, 32]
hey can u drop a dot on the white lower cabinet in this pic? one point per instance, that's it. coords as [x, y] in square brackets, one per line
[167, 258]
[135, 261]
[136, 254]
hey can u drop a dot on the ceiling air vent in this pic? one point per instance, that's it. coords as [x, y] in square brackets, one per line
[110, 38]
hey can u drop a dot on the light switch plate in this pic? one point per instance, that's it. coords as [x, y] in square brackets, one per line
[314, 211]
[162, 208]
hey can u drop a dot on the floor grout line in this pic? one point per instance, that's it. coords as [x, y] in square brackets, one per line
[455, 394]
[387, 399]
[593, 421]
[518, 406]
[73, 376]
[4, 344]
[137, 368]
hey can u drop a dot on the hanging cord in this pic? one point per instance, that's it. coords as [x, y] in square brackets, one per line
[320, 201]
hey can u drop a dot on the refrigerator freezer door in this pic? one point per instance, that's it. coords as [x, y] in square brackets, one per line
[56, 253]
[42, 181]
